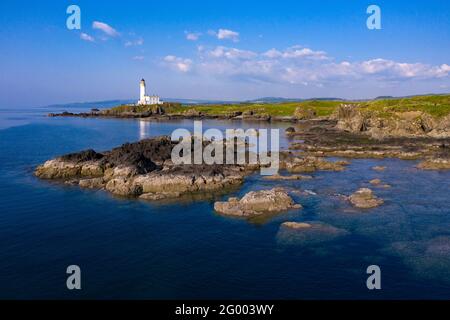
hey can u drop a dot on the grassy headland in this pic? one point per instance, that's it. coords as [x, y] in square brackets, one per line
[435, 105]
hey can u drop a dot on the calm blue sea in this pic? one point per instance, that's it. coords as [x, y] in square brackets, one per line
[135, 249]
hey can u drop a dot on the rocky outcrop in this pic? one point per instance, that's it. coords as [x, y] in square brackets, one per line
[358, 119]
[290, 131]
[253, 116]
[166, 182]
[58, 169]
[351, 118]
[435, 164]
[143, 169]
[122, 186]
[278, 177]
[92, 183]
[192, 113]
[302, 113]
[311, 164]
[257, 203]
[322, 139]
[365, 199]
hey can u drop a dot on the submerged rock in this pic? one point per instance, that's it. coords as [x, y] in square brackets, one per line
[429, 258]
[296, 225]
[308, 233]
[378, 183]
[365, 199]
[257, 203]
[159, 195]
[379, 168]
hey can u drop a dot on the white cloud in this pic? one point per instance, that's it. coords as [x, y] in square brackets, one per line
[137, 42]
[225, 34]
[86, 37]
[273, 53]
[192, 36]
[178, 64]
[302, 66]
[107, 29]
[231, 53]
[296, 52]
[138, 58]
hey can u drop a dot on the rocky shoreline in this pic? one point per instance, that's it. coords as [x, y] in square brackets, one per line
[354, 118]
[144, 169]
[324, 139]
[350, 131]
[162, 116]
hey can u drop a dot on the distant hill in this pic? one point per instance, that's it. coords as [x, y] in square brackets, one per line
[272, 100]
[384, 98]
[199, 101]
[92, 104]
[280, 100]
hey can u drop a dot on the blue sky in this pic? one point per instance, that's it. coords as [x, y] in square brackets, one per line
[221, 50]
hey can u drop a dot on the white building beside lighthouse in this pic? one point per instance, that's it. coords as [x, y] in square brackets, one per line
[145, 99]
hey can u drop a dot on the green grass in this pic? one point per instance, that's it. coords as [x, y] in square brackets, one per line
[322, 108]
[170, 107]
[435, 105]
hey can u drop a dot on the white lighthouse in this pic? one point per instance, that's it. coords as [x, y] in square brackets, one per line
[142, 95]
[144, 99]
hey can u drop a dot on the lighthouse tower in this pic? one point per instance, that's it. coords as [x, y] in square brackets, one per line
[145, 99]
[142, 95]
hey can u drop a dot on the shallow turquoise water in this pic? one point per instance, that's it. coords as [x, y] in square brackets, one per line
[136, 249]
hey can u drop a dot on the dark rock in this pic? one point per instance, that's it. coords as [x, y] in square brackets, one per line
[290, 130]
[83, 156]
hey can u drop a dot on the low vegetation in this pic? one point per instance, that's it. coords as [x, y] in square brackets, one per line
[435, 105]
[283, 109]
